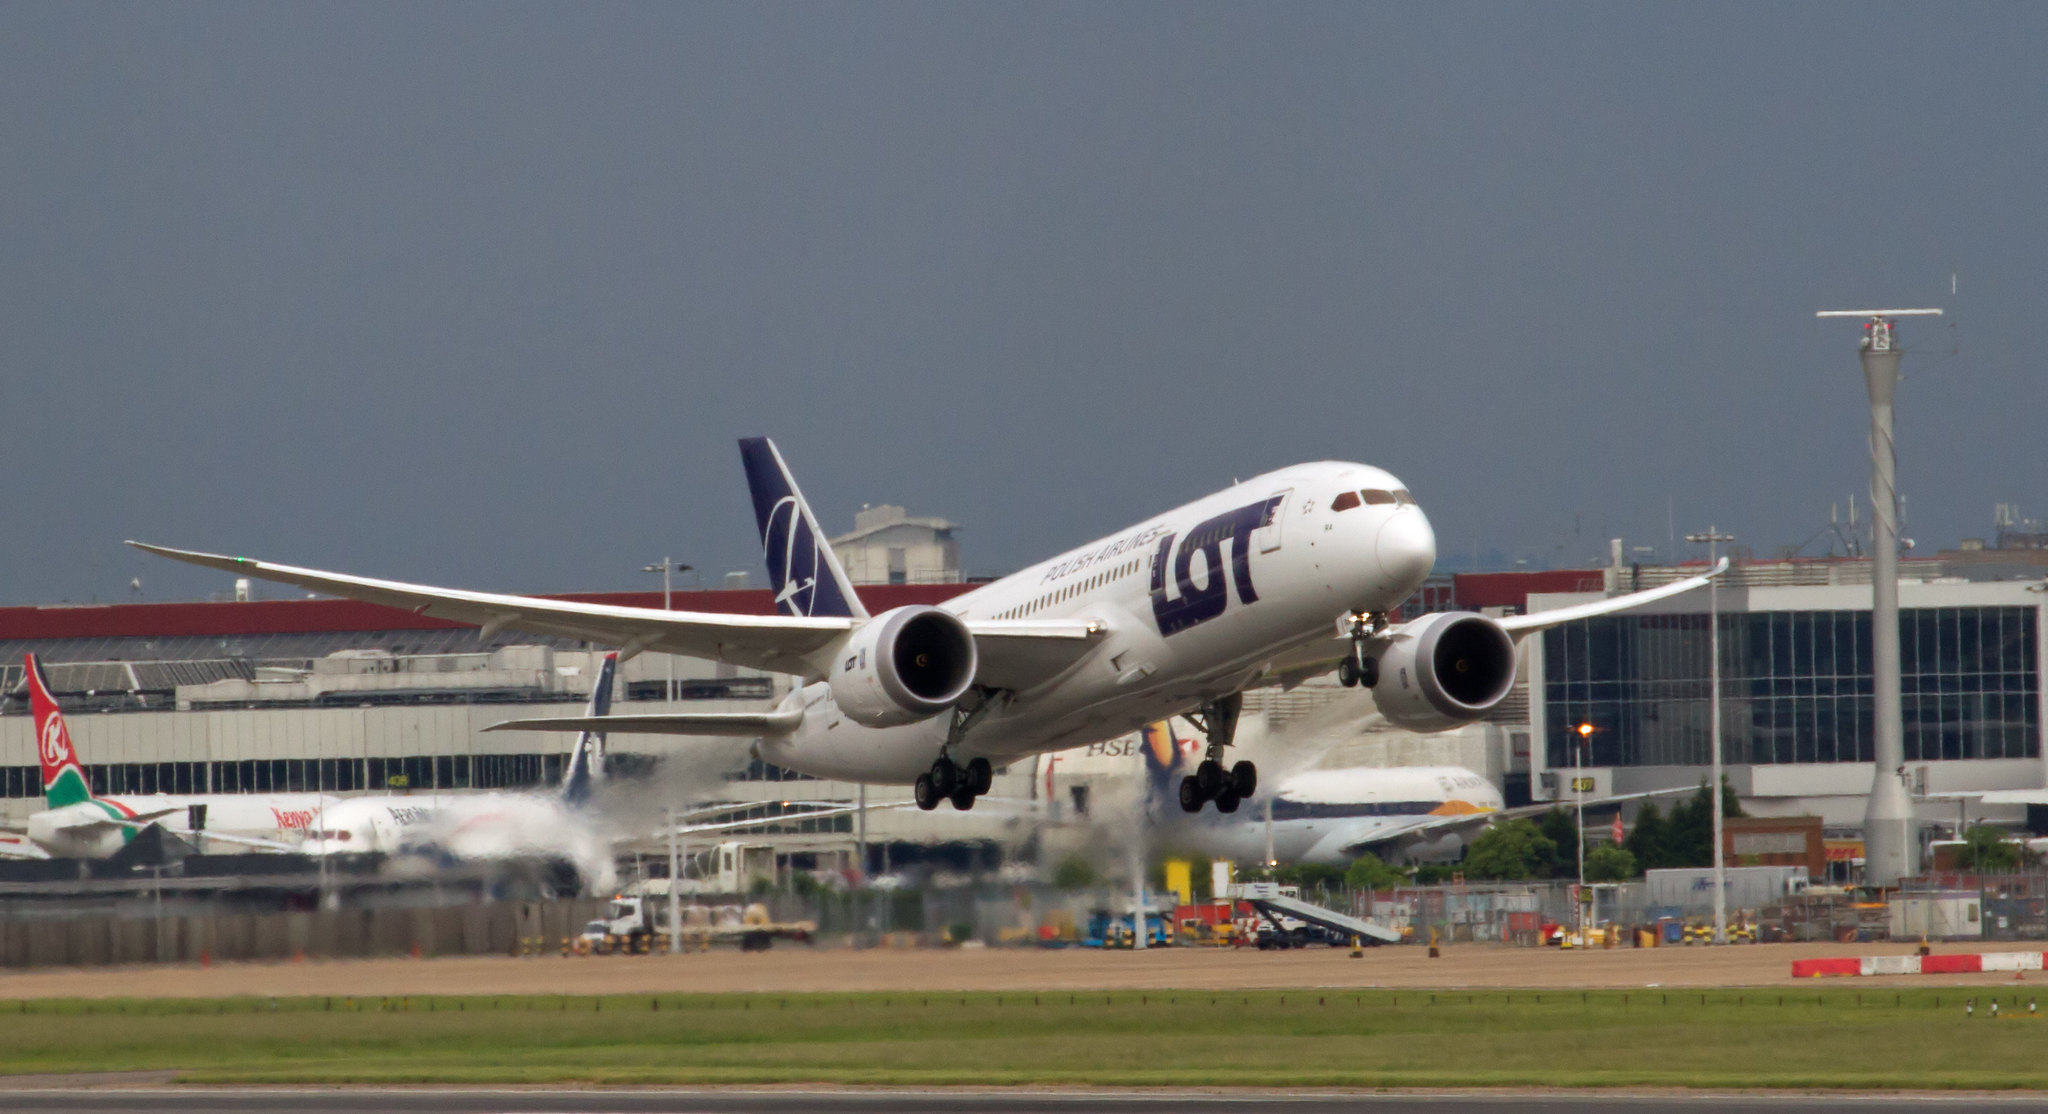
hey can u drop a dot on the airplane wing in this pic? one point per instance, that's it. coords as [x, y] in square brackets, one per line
[781, 643]
[1519, 625]
[1015, 654]
[1321, 657]
[666, 723]
[1410, 827]
[201, 837]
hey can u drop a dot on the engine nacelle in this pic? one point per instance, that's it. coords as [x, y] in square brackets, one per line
[904, 665]
[1444, 671]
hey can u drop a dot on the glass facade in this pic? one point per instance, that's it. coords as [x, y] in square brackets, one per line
[1795, 686]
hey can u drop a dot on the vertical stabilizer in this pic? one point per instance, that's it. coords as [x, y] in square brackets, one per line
[802, 568]
[586, 760]
[64, 781]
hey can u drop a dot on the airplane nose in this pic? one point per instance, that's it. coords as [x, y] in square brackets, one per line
[1407, 547]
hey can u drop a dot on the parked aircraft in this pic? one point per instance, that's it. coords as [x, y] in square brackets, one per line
[1334, 815]
[78, 823]
[483, 824]
[1275, 579]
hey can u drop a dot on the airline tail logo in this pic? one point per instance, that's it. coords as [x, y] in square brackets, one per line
[63, 777]
[801, 569]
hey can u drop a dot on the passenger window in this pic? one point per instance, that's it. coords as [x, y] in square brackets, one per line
[1379, 498]
[1345, 501]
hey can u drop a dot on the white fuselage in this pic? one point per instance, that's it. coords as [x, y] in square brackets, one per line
[1196, 603]
[1330, 816]
[91, 829]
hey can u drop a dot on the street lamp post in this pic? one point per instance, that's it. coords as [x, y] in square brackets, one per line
[1713, 538]
[1579, 804]
[666, 596]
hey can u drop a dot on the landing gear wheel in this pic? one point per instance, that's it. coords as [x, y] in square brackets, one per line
[1190, 795]
[1227, 801]
[1369, 672]
[980, 776]
[945, 777]
[927, 796]
[1347, 672]
[963, 798]
[1244, 780]
[1209, 778]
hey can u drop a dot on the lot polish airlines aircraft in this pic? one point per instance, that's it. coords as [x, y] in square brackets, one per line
[79, 823]
[1275, 579]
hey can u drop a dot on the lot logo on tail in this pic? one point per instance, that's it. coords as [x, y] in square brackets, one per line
[801, 569]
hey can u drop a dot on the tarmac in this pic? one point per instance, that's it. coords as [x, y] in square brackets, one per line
[334, 1100]
[843, 970]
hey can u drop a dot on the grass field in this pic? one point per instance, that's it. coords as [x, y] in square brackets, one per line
[1865, 1038]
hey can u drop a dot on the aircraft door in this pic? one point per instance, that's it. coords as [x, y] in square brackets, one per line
[1268, 536]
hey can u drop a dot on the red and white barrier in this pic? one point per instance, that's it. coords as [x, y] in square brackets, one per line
[1917, 964]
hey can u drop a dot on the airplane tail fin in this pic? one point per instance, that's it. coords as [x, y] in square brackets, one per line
[802, 568]
[586, 759]
[64, 780]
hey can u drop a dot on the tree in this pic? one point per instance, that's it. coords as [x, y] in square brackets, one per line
[1608, 863]
[1985, 850]
[1369, 873]
[1511, 852]
[1689, 839]
[1650, 842]
[1562, 829]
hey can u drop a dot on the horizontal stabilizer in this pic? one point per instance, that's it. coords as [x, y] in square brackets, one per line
[666, 723]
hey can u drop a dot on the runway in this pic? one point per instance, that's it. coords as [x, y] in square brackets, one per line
[181, 1100]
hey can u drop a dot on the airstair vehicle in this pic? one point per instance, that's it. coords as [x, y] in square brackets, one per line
[1277, 906]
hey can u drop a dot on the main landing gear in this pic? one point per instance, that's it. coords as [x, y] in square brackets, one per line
[948, 781]
[1357, 669]
[959, 784]
[1210, 781]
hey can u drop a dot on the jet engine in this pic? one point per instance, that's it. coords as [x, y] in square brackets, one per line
[904, 665]
[1444, 670]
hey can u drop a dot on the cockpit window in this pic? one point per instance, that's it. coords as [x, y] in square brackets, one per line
[1345, 501]
[1379, 498]
[1402, 497]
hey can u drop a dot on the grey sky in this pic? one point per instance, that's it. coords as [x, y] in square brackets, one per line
[483, 294]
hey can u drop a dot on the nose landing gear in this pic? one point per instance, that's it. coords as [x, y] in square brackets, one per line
[1211, 781]
[1359, 669]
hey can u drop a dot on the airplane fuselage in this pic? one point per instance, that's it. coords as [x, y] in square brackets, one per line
[1195, 604]
[1331, 816]
[92, 829]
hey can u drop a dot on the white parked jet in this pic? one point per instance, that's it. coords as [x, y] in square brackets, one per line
[1272, 580]
[79, 823]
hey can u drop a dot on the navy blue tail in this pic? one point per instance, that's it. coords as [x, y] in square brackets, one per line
[586, 761]
[802, 570]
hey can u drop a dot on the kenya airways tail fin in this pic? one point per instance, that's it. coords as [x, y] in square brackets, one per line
[64, 781]
[586, 759]
[802, 568]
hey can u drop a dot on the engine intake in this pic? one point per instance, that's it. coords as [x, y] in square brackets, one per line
[1444, 671]
[904, 665]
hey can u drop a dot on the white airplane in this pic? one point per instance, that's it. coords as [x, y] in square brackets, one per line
[483, 825]
[1272, 580]
[1332, 816]
[79, 823]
